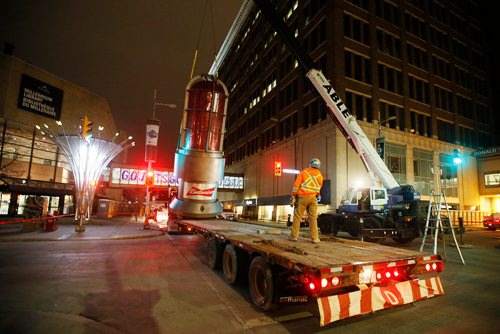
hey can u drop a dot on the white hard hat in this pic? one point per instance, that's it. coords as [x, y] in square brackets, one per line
[315, 163]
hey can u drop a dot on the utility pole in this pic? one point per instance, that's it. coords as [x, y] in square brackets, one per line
[152, 133]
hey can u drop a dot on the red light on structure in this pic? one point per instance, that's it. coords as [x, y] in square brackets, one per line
[312, 286]
[388, 274]
[277, 168]
[324, 282]
[150, 178]
[428, 267]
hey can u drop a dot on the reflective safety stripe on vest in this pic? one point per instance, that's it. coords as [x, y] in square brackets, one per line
[310, 184]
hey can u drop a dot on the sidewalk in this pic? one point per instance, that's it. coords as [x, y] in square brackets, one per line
[97, 229]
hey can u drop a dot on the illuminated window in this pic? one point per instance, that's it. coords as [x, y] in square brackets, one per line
[492, 179]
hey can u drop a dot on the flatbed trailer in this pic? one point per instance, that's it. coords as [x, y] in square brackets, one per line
[345, 277]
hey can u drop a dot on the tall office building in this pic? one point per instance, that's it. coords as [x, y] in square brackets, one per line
[413, 72]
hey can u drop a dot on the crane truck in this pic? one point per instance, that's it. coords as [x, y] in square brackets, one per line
[386, 208]
[344, 277]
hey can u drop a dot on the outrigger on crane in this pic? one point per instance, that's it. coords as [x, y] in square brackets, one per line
[388, 209]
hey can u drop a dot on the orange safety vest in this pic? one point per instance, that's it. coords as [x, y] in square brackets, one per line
[308, 182]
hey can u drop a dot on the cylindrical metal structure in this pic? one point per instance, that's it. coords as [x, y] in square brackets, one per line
[199, 160]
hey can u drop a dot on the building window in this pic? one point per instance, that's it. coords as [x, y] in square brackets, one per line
[443, 98]
[420, 124]
[441, 68]
[417, 56]
[395, 159]
[313, 113]
[415, 26]
[449, 178]
[446, 131]
[356, 29]
[390, 79]
[419, 90]
[388, 12]
[462, 77]
[360, 106]
[389, 110]
[358, 67]
[492, 179]
[465, 107]
[422, 166]
[388, 43]
[467, 137]
[316, 37]
[440, 39]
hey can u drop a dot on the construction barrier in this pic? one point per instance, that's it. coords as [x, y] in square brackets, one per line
[371, 299]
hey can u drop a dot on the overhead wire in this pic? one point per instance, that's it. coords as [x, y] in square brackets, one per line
[208, 6]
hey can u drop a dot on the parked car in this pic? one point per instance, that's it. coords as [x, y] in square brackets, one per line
[229, 216]
[492, 222]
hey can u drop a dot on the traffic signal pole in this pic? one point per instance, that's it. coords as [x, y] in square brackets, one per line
[152, 132]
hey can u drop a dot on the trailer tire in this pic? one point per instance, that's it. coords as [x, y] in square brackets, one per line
[214, 253]
[234, 265]
[261, 284]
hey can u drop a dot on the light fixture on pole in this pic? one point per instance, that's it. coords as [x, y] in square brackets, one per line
[392, 118]
[380, 141]
[152, 133]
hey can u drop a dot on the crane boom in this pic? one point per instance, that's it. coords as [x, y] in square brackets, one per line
[352, 131]
[337, 110]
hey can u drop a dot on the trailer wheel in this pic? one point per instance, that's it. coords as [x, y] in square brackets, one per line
[234, 265]
[261, 284]
[214, 253]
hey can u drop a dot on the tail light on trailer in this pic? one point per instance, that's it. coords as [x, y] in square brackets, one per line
[428, 265]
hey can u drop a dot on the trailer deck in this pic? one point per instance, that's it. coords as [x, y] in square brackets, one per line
[346, 277]
[331, 252]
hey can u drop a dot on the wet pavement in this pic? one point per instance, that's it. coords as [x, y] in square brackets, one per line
[121, 227]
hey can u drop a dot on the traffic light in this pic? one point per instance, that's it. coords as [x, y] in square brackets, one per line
[457, 157]
[277, 168]
[86, 129]
[150, 178]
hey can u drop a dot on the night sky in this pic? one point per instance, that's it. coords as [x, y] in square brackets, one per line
[123, 50]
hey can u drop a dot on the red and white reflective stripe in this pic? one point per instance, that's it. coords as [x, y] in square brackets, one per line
[371, 299]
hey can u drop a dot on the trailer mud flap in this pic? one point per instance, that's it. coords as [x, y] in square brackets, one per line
[372, 299]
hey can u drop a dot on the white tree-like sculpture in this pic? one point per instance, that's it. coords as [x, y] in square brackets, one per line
[87, 157]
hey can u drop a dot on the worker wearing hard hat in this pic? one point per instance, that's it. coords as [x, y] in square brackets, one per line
[305, 196]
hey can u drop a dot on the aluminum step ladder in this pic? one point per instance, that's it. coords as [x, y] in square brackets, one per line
[434, 223]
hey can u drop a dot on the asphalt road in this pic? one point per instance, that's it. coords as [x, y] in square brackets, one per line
[161, 284]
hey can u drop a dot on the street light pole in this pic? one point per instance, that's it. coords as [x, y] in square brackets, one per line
[383, 122]
[379, 141]
[152, 132]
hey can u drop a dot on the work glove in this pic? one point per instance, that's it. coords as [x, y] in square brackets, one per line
[293, 201]
[318, 198]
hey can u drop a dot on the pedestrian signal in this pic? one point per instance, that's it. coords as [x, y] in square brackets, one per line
[277, 168]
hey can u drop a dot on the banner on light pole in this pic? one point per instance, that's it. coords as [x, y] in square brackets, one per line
[152, 133]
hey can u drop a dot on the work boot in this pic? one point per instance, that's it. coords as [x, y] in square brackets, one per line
[292, 239]
[316, 241]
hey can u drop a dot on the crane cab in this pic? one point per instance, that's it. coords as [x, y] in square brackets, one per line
[369, 199]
